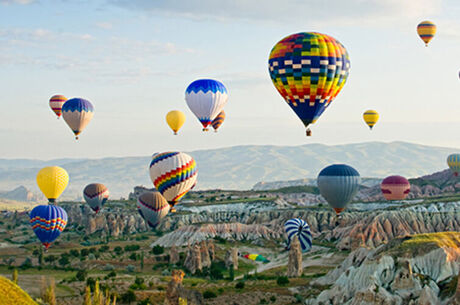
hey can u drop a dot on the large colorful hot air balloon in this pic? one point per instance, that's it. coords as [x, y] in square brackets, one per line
[206, 98]
[56, 102]
[48, 222]
[395, 188]
[173, 174]
[218, 120]
[371, 117]
[338, 184]
[175, 119]
[153, 207]
[300, 228]
[256, 257]
[77, 113]
[453, 161]
[426, 30]
[52, 181]
[96, 194]
[309, 70]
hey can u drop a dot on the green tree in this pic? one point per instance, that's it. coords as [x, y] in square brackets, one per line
[63, 261]
[158, 250]
[81, 275]
[282, 280]
[142, 260]
[128, 297]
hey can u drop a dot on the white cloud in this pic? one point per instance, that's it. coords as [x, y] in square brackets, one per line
[22, 2]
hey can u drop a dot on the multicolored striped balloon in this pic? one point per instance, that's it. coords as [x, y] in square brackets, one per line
[309, 70]
[256, 257]
[426, 30]
[56, 102]
[395, 187]
[96, 195]
[453, 161]
[338, 184]
[206, 98]
[173, 174]
[218, 120]
[153, 207]
[301, 229]
[371, 117]
[48, 222]
[77, 113]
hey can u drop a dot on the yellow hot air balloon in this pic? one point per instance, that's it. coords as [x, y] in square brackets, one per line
[175, 120]
[52, 181]
[426, 31]
[371, 117]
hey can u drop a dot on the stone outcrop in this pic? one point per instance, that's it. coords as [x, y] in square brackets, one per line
[231, 258]
[193, 259]
[21, 193]
[295, 259]
[176, 294]
[212, 250]
[204, 252]
[139, 190]
[174, 257]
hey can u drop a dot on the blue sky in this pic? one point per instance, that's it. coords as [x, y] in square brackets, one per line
[133, 60]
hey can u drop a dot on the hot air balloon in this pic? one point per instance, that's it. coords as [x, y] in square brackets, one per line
[371, 117]
[48, 222]
[218, 120]
[175, 120]
[96, 194]
[338, 184]
[77, 113]
[426, 30]
[309, 70]
[206, 98]
[300, 228]
[52, 181]
[453, 161]
[173, 174]
[256, 257]
[56, 102]
[153, 207]
[395, 188]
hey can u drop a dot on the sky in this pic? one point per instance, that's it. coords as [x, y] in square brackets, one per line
[133, 59]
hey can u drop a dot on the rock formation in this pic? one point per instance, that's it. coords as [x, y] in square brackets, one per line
[295, 259]
[204, 252]
[212, 250]
[138, 190]
[176, 293]
[231, 258]
[193, 259]
[174, 257]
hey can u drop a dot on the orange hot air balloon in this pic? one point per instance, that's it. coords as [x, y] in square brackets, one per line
[395, 188]
[426, 30]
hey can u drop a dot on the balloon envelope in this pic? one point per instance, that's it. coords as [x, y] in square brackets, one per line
[300, 228]
[395, 188]
[52, 181]
[218, 120]
[175, 119]
[173, 174]
[309, 70]
[96, 195]
[338, 184]
[48, 222]
[453, 161]
[77, 113]
[371, 117]
[56, 102]
[426, 30]
[256, 257]
[206, 98]
[153, 207]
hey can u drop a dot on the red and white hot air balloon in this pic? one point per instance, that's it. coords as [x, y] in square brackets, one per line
[395, 188]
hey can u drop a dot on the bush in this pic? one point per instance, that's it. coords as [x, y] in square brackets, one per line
[130, 268]
[84, 252]
[118, 250]
[74, 253]
[133, 256]
[104, 248]
[282, 280]
[239, 285]
[263, 301]
[158, 250]
[128, 297]
[208, 294]
[63, 261]
[112, 274]
[81, 275]
[298, 298]
[90, 282]
[108, 267]
[132, 247]
[273, 299]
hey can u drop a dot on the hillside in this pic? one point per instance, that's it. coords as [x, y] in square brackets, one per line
[238, 167]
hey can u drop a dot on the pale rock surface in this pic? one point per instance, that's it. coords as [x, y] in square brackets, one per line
[231, 258]
[204, 253]
[295, 259]
[174, 255]
[193, 259]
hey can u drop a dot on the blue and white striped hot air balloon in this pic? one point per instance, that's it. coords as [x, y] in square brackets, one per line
[206, 98]
[300, 228]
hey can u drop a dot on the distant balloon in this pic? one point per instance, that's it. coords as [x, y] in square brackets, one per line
[173, 174]
[453, 161]
[395, 188]
[48, 222]
[426, 30]
[96, 195]
[338, 184]
[52, 181]
[77, 113]
[218, 120]
[175, 120]
[153, 207]
[309, 70]
[371, 117]
[206, 98]
[300, 228]
[256, 257]
[56, 102]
